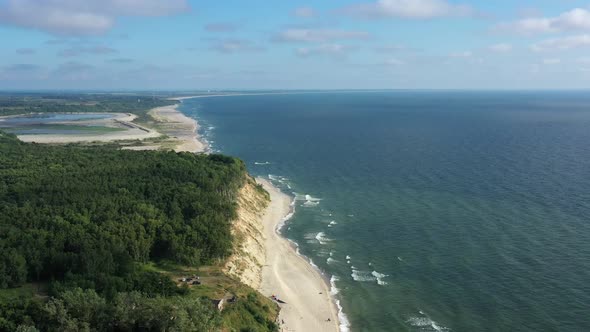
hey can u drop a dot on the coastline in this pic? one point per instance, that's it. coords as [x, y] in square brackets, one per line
[172, 122]
[167, 120]
[288, 275]
[276, 267]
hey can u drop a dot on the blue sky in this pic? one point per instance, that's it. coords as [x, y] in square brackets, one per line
[292, 44]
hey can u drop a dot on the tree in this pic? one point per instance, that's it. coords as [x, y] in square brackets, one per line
[13, 268]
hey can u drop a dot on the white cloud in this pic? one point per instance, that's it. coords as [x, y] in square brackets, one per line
[81, 17]
[575, 19]
[551, 61]
[336, 50]
[466, 54]
[318, 35]
[500, 48]
[410, 9]
[304, 12]
[235, 46]
[565, 43]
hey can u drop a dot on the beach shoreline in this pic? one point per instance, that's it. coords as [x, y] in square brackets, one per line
[167, 120]
[310, 305]
[290, 276]
[172, 122]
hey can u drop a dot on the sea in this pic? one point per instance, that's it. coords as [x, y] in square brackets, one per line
[428, 210]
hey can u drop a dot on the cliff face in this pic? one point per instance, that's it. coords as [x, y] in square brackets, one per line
[249, 253]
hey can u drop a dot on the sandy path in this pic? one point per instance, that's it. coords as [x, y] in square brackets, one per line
[291, 277]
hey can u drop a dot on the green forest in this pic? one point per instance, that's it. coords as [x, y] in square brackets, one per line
[79, 226]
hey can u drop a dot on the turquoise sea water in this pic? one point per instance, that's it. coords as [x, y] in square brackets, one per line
[430, 211]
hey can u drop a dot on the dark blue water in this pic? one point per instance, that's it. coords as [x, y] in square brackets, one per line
[438, 211]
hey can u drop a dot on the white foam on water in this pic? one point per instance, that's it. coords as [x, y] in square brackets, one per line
[362, 276]
[262, 163]
[315, 266]
[333, 289]
[286, 218]
[426, 323]
[311, 238]
[321, 238]
[312, 199]
[311, 204]
[380, 277]
[344, 323]
[368, 276]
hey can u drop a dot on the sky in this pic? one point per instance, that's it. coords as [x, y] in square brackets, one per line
[292, 44]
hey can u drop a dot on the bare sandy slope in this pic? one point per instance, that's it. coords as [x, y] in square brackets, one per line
[291, 277]
[174, 123]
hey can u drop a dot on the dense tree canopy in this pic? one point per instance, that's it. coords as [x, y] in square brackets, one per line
[94, 211]
[83, 219]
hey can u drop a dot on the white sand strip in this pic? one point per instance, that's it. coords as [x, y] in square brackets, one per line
[174, 123]
[309, 305]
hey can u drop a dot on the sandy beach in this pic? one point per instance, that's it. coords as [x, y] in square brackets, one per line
[286, 274]
[174, 123]
[168, 120]
[309, 305]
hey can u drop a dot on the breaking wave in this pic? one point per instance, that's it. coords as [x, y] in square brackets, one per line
[426, 323]
[321, 237]
[344, 323]
[366, 276]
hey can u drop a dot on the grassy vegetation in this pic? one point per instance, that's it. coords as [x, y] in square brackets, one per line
[250, 312]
